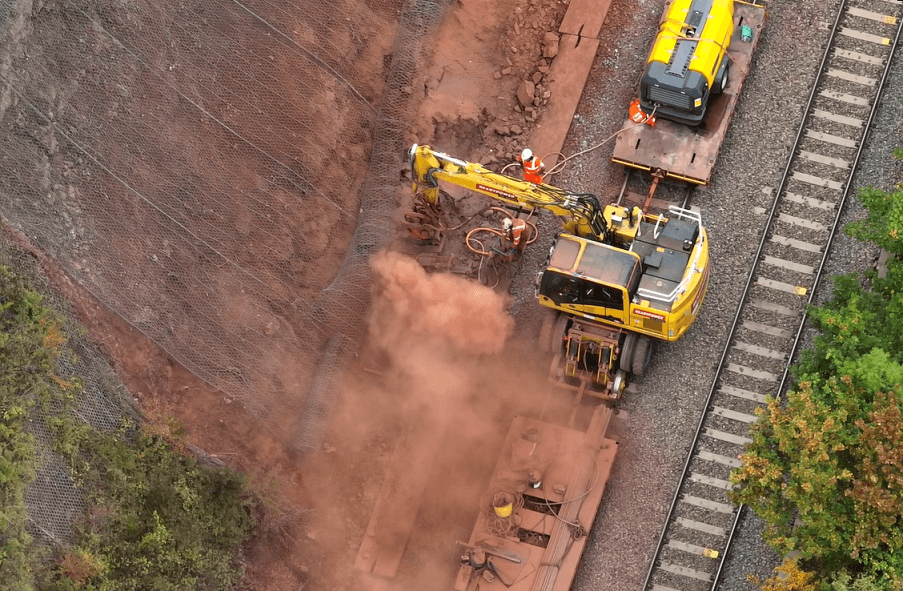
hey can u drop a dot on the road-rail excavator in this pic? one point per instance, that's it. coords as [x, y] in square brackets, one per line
[619, 279]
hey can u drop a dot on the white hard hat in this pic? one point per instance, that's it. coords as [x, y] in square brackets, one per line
[526, 154]
[506, 223]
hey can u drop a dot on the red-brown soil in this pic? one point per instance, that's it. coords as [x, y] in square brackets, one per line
[482, 54]
[448, 375]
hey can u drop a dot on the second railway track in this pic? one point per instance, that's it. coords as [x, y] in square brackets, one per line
[769, 321]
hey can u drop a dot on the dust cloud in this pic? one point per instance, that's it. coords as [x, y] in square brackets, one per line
[434, 329]
[456, 314]
[445, 386]
[443, 341]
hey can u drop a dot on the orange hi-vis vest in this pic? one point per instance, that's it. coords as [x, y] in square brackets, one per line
[517, 230]
[532, 169]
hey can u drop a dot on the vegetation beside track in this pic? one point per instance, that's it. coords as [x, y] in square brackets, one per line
[825, 469]
[157, 518]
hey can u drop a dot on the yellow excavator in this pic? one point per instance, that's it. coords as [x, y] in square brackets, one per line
[619, 279]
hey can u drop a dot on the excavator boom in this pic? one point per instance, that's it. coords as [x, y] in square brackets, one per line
[581, 213]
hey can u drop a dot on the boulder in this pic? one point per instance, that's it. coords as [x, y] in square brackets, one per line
[525, 92]
[550, 45]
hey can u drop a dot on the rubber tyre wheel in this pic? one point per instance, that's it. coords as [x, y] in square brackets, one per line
[642, 356]
[545, 331]
[721, 83]
[626, 356]
[560, 329]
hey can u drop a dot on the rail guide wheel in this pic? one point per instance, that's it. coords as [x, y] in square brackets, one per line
[619, 383]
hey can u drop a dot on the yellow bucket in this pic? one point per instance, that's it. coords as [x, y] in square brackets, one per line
[503, 504]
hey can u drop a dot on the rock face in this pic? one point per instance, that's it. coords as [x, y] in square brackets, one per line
[525, 93]
[487, 108]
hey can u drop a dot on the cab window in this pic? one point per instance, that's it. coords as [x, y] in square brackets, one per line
[602, 295]
[563, 289]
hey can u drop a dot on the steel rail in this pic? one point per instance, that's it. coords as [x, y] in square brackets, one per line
[820, 270]
[736, 320]
[842, 11]
[843, 199]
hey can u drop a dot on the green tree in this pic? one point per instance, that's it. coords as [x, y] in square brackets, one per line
[825, 468]
[884, 223]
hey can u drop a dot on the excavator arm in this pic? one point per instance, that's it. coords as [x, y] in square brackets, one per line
[581, 213]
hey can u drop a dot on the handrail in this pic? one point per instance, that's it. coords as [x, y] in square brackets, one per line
[681, 287]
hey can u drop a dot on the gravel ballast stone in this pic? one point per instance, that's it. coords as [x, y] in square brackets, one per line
[657, 421]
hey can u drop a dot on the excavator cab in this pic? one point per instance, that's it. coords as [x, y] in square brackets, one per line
[587, 277]
[651, 279]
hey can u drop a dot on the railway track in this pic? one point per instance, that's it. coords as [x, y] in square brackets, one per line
[796, 239]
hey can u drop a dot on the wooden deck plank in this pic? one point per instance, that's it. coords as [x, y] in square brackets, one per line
[569, 71]
[585, 18]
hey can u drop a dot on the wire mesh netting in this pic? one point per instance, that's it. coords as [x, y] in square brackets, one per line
[218, 173]
[198, 167]
[52, 499]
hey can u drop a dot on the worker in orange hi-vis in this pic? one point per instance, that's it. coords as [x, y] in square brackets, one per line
[533, 166]
[514, 233]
